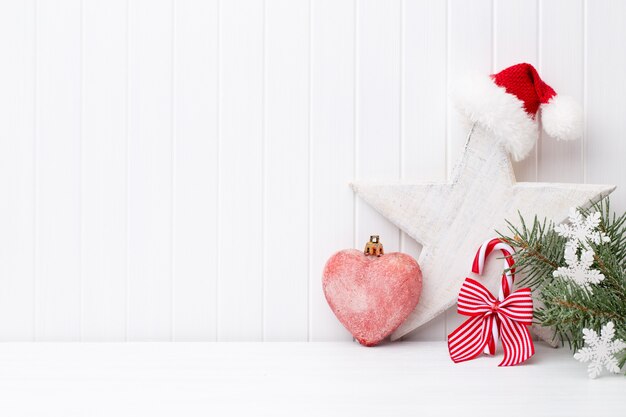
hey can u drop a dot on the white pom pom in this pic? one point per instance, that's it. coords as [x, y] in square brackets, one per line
[562, 118]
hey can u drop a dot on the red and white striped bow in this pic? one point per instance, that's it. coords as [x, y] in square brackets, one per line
[489, 317]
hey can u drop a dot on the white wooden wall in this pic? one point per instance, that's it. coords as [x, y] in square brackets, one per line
[178, 169]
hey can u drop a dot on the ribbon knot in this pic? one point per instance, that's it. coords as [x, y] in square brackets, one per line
[512, 316]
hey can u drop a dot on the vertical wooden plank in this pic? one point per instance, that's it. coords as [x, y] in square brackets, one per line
[58, 170]
[469, 51]
[150, 170]
[606, 65]
[378, 110]
[516, 40]
[286, 221]
[17, 83]
[195, 180]
[423, 118]
[515, 33]
[240, 241]
[332, 151]
[561, 66]
[103, 188]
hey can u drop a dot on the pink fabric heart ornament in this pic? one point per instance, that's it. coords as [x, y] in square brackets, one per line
[371, 295]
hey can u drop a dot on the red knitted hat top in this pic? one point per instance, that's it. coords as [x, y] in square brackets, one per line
[523, 81]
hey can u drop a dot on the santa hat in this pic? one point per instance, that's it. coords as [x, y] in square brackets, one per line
[507, 104]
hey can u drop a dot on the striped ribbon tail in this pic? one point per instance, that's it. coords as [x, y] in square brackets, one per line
[515, 315]
[469, 340]
[474, 335]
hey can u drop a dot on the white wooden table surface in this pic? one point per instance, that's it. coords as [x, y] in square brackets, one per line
[291, 379]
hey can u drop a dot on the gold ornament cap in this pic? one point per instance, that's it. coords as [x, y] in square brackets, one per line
[374, 247]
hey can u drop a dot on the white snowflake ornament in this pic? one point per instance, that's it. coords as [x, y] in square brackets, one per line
[579, 270]
[600, 351]
[581, 230]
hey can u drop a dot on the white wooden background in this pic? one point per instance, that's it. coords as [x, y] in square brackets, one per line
[178, 169]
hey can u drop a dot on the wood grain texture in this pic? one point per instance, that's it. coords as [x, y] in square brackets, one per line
[561, 65]
[146, 146]
[150, 171]
[287, 183]
[17, 171]
[58, 178]
[604, 143]
[104, 170]
[241, 157]
[196, 162]
[378, 109]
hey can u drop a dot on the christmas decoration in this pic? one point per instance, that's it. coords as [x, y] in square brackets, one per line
[447, 219]
[506, 284]
[600, 351]
[579, 233]
[374, 247]
[578, 272]
[508, 316]
[371, 293]
[507, 104]
[581, 230]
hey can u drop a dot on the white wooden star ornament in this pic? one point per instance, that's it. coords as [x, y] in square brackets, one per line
[451, 220]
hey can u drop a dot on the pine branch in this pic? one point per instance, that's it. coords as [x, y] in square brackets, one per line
[534, 252]
[539, 251]
[569, 308]
[586, 310]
